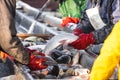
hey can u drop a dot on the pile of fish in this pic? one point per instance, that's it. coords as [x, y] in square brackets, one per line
[64, 64]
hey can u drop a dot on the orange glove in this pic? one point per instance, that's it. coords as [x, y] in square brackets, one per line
[4, 55]
[69, 20]
[36, 62]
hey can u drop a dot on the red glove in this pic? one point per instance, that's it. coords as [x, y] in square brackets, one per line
[36, 62]
[69, 20]
[77, 31]
[83, 41]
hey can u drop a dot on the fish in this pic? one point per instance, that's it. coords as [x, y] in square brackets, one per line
[57, 40]
[32, 39]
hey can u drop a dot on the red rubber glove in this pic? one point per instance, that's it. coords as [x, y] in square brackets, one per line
[36, 62]
[69, 20]
[83, 41]
[77, 31]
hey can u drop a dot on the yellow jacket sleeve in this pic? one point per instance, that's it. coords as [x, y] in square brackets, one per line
[109, 56]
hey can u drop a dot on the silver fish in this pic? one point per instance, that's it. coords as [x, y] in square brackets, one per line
[60, 39]
[32, 39]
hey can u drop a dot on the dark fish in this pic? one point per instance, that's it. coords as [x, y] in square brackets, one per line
[56, 53]
[64, 59]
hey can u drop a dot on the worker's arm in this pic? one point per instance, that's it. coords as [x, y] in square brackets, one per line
[109, 56]
[9, 42]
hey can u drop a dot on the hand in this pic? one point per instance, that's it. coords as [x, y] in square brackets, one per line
[83, 41]
[67, 20]
[37, 62]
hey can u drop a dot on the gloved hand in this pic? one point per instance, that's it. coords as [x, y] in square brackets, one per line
[77, 31]
[36, 62]
[83, 41]
[67, 20]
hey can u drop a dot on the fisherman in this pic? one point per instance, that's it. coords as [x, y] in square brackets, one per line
[10, 45]
[92, 33]
[109, 57]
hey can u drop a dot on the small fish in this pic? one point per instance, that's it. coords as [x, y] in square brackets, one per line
[60, 39]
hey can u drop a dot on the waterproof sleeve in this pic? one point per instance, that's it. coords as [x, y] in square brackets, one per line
[101, 34]
[9, 42]
[109, 57]
[84, 23]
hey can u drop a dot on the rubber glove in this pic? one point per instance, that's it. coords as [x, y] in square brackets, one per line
[66, 23]
[36, 62]
[83, 41]
[67, 20]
